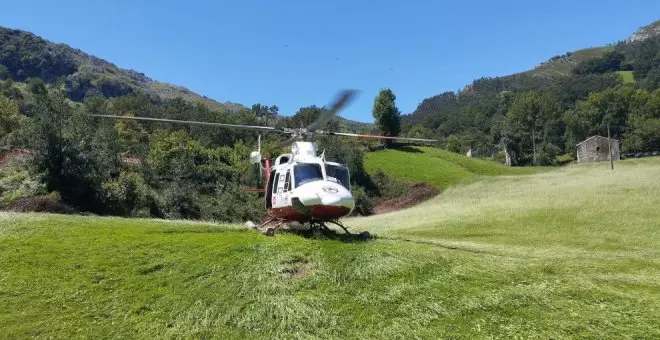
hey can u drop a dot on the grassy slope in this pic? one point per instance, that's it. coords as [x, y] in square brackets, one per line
[564, 66]
[435, 166]
[627, 77]
[568, 253]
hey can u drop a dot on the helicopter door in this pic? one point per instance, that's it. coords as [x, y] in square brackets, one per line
[278, 194]
[269, 189]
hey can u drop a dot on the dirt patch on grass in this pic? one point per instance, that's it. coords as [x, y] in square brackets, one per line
[418, 193]
[295, 268]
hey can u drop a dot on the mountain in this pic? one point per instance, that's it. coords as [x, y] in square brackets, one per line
[555, 105]
[563, 65]
[646, 32]
[24, 55]
[555, 69]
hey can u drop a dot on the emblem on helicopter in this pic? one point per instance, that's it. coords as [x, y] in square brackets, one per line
[330, 190]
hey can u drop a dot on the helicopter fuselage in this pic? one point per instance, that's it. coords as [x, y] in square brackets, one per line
[303, 187]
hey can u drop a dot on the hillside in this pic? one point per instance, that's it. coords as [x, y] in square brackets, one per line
[646, 32]
[555, 105]
[438, 167]
[25, 55]
[542, 256]
[563, 65]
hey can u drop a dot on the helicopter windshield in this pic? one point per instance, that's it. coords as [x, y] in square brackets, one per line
[337, 174]
[307, 172]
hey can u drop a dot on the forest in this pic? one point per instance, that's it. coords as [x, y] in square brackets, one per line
[531, 114]
[163, 170]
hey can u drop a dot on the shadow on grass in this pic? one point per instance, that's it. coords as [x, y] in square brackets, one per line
[329, 234]
[406, 148]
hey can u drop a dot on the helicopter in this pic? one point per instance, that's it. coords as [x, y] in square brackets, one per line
[301, 187]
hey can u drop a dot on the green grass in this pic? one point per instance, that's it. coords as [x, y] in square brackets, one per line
[571, 253]
[435, 166]
[627, 77]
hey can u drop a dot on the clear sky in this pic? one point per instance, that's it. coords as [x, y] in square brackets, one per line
[298, 53]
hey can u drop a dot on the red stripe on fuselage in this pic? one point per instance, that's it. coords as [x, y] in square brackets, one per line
[319, 212]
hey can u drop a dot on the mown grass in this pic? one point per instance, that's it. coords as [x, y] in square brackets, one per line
[436, 166]
[570, 253]
[627, 77]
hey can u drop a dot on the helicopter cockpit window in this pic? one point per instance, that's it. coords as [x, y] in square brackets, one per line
[307, 172]
[337, 174]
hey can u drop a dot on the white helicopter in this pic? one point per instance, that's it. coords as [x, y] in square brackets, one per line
[301, 187]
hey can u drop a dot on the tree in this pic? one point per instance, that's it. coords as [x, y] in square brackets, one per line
[304, 117]
[453, 144]
[531, 122]
[420, 131]
[4, 72]
[10, 120]
[387, 115]
[643, 133]
[37, 86]
[132, 136]
[267, 114]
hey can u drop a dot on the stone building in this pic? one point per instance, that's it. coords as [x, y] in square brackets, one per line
[596, 149]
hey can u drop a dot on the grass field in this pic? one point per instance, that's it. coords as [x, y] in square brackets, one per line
[559, 254]
[436, 166]
[627, 77]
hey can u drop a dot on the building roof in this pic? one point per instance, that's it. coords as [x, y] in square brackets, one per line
[594, 136]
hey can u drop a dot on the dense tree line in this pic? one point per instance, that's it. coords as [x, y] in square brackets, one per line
[149, 169]
[540, 119]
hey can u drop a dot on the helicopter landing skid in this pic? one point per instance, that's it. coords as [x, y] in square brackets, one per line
[315, 225]
[321, 225]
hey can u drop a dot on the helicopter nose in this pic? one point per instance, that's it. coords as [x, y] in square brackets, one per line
[330, 200]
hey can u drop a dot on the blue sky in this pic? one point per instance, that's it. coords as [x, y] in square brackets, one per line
[298, 53]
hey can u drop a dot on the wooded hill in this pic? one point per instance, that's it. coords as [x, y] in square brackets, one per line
[24, 55]
[73, 162]
[563, 101]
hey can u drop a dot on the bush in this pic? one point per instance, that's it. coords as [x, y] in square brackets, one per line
[453, 144]
[388, 187]
[51, 203]
[231, 204]
[363, 203]
[125, 194]
[564, 158]
[17, 184]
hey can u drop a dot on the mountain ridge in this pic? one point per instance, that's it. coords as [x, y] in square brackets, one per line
[25, 54]
[558, 66]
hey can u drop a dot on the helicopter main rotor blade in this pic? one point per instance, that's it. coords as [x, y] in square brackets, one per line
[342, 99]
[246, 127]
[286, 142]
[377, 137]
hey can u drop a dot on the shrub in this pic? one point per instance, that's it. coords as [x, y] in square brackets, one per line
[16, 184]
[125, 194]
[388, 186]
[363, 203]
